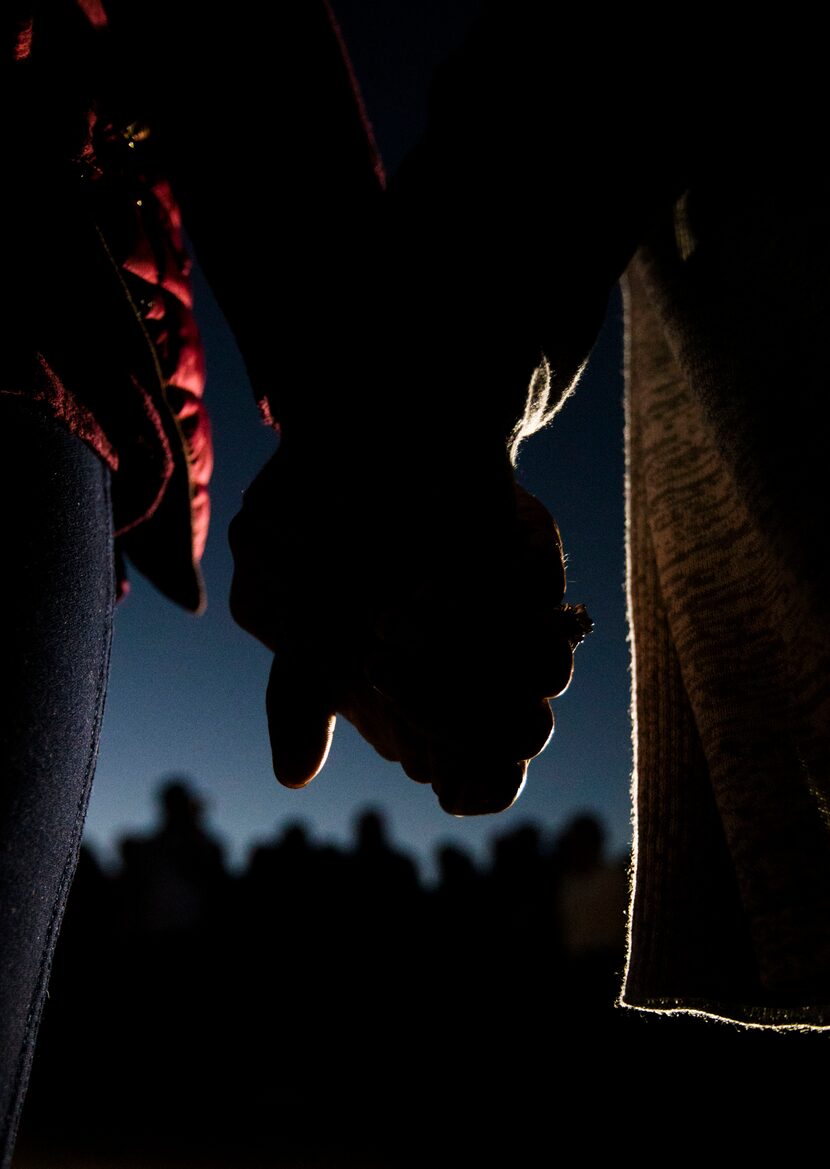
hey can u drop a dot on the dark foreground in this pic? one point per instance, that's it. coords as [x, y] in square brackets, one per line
[326, 1012]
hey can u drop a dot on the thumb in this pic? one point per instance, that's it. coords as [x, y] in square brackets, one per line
[300, 723]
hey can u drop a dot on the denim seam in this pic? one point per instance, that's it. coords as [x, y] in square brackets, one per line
[38, 997]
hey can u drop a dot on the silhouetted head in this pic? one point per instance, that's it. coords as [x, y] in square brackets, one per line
[295, 836]
[180, 803]
[581, 844]
[371, 830]
[455, 865]
[516, 848]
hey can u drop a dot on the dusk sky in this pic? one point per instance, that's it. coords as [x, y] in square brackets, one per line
[187, 695]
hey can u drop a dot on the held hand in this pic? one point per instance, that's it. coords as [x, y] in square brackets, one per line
[442, 653]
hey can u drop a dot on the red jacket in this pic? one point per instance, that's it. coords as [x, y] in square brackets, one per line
[102, 329]
[108, 104]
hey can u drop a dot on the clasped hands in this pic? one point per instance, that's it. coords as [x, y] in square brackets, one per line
[428, 614]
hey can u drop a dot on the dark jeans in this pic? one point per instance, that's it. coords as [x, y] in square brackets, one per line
[56, 606]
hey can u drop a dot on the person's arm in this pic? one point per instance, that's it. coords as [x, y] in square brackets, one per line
[385, 555]
[443, 636]
[552, 140]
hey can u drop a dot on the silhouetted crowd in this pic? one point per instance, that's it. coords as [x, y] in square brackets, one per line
[325, 1008]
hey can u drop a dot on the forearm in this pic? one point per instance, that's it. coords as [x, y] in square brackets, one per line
[412, 320]
[529, 192]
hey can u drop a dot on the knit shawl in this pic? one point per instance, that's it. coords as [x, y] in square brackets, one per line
[727, 522]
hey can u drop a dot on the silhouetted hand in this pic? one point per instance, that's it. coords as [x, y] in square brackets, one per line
[434, 625]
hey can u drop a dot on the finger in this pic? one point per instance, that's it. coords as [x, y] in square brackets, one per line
[470, 784]
[508, 730]
[563, 631]
[546, 667]
[531, 731]
[373, 716]
[413, 752]
[517, 722]
[550, 676]
[540, 555]
[380, 723]
[300, 724]
[533, 650]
